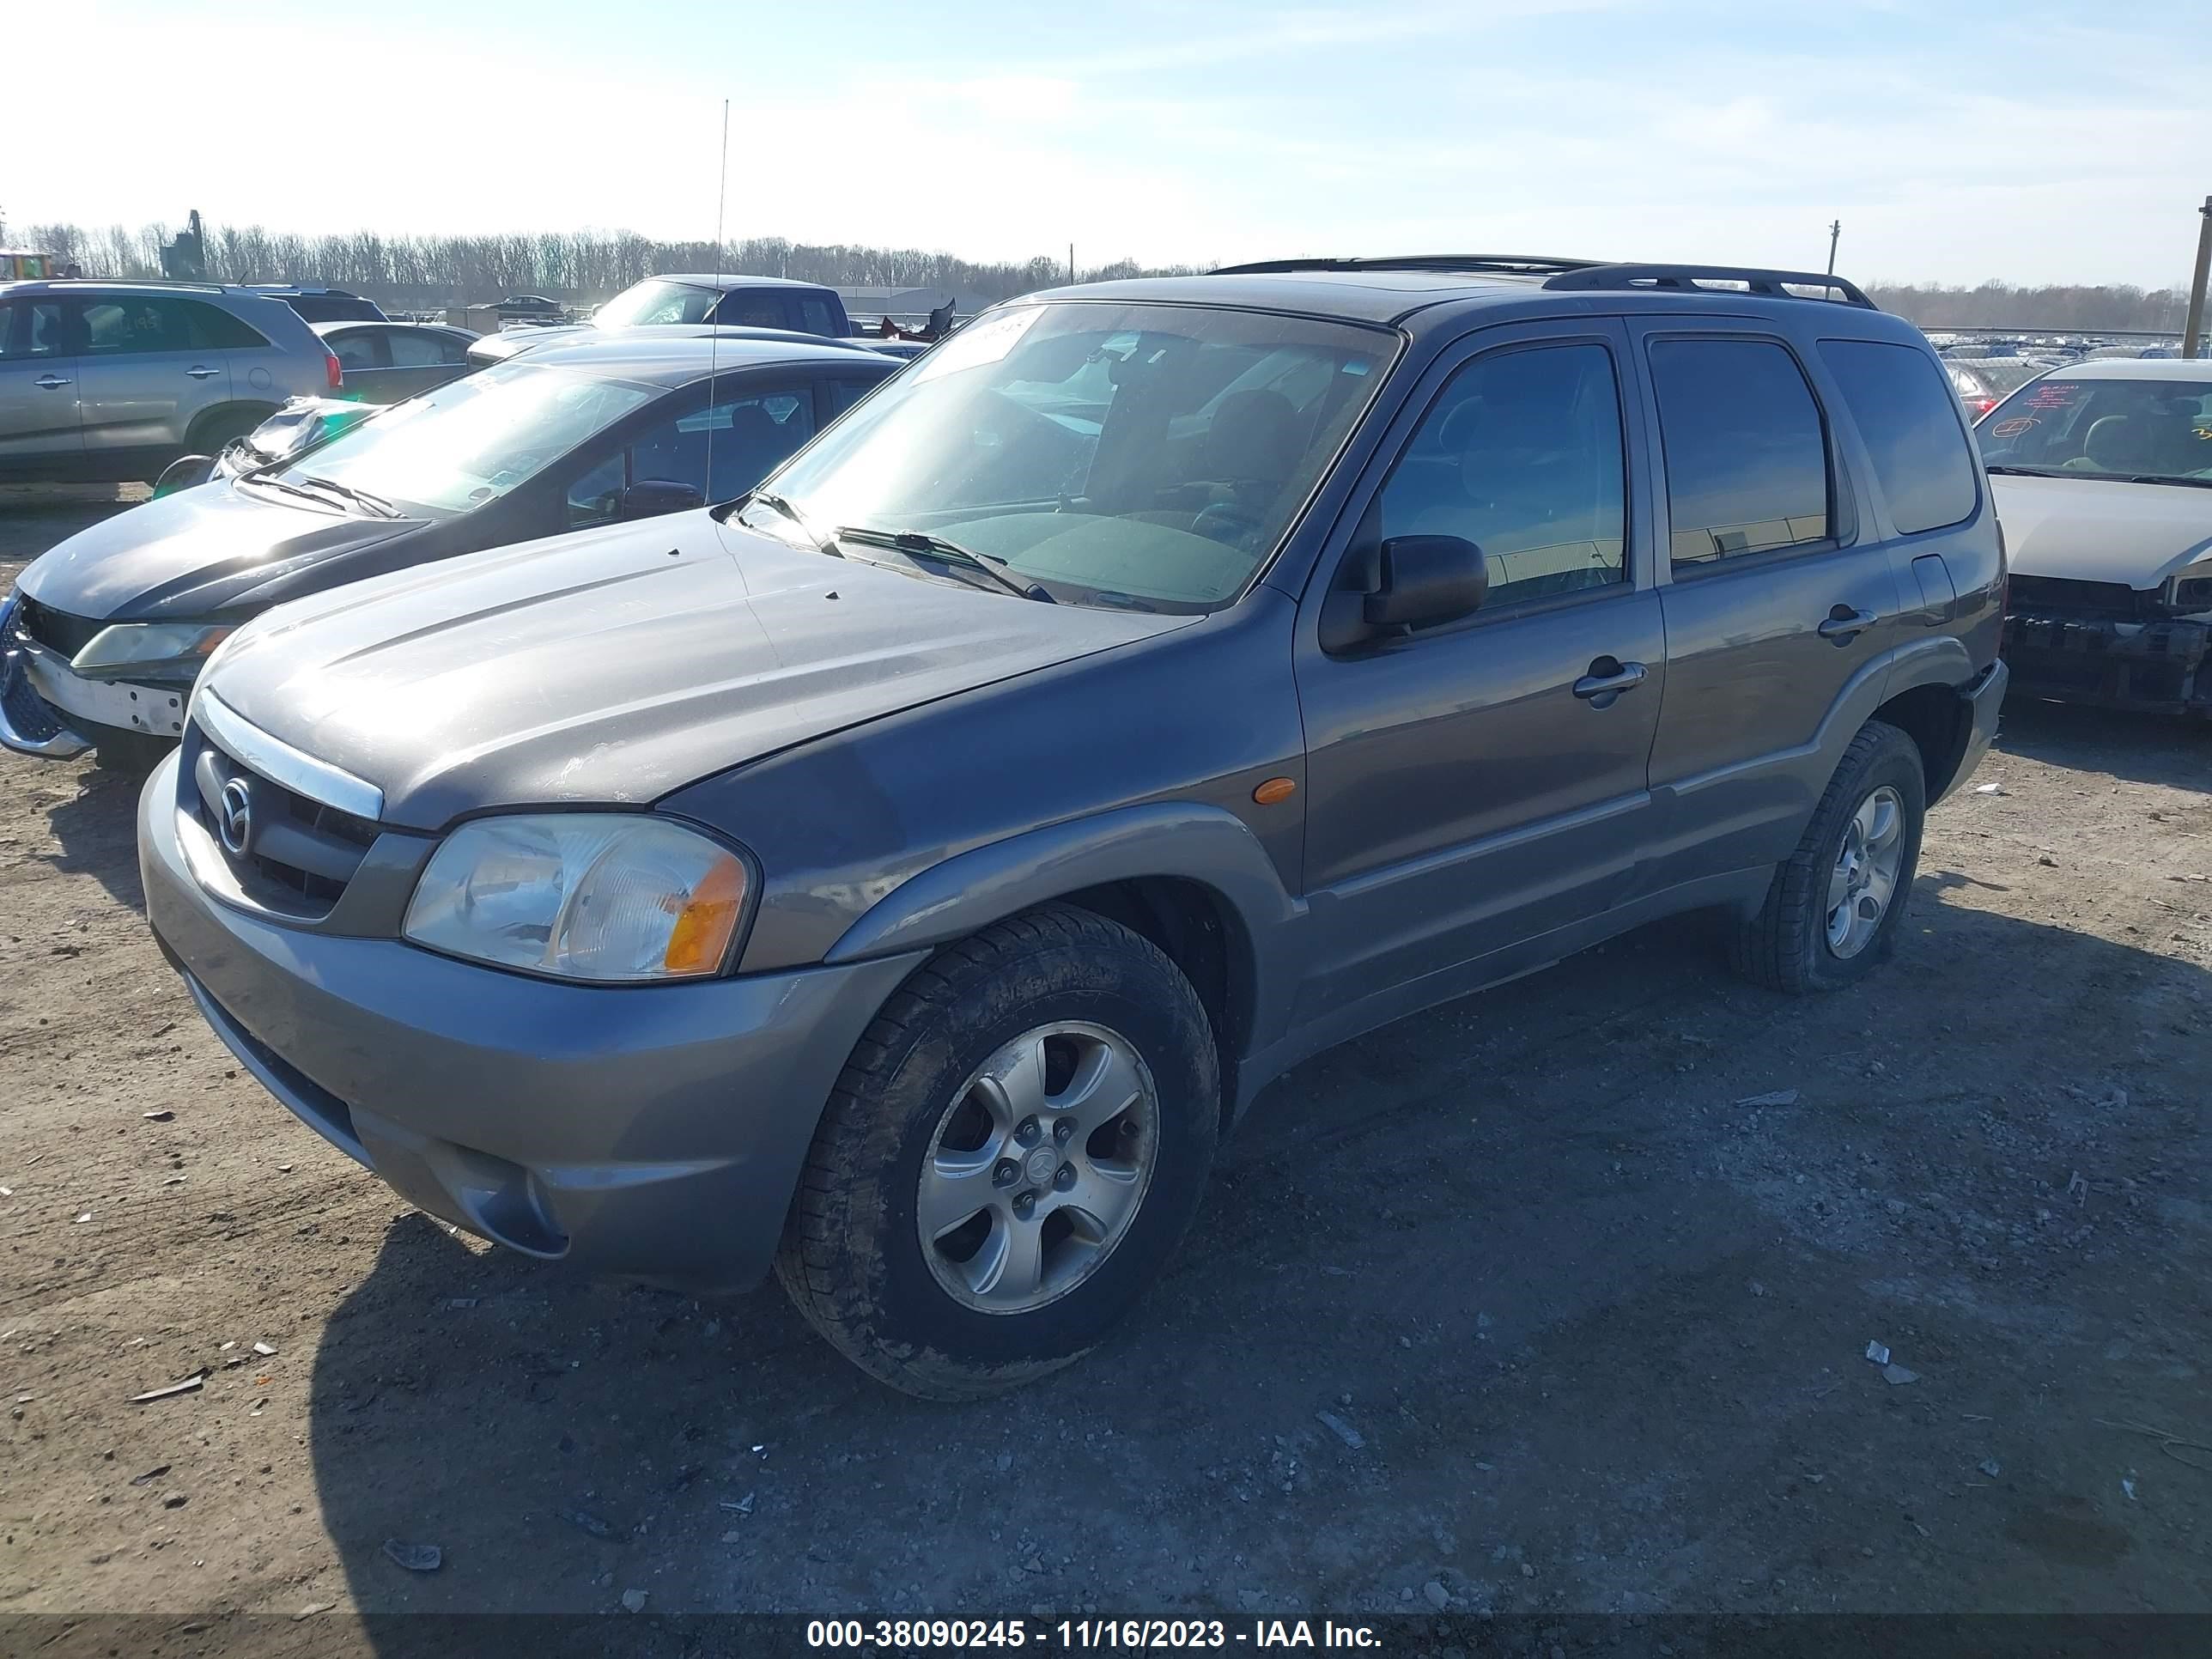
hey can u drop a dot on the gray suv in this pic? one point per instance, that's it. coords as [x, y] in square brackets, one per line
[907, 873]
[109, 382]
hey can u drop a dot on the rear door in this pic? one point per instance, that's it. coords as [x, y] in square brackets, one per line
[41, 434]
[153, 364]
[386, 363]
[1483, 783]
[1778, 594]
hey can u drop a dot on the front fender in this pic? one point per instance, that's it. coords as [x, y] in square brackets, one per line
[1182, 838]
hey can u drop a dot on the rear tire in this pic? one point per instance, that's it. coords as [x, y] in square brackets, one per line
[1816, 932]
[219, 425]
[929, 1116]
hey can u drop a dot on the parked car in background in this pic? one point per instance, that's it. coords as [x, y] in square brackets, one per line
[106, 631]
[770, 302]
[909, 874]
[107, 382]
[321, 305]
[1983, 382]
[384, 362]
[2103, 477]
[531, 308]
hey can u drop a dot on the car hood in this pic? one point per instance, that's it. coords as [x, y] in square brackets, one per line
[617, 664]
[193, 554]
[2099, 529]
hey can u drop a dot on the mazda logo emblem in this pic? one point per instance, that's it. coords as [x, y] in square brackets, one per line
[234, 818]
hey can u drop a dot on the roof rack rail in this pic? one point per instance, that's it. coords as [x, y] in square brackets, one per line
[1521, 264]
[1711, 279]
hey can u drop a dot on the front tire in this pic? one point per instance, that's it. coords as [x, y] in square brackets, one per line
[929, 1242]
[1832, 912]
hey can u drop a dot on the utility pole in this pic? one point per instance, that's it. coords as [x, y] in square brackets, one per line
[1835, 233]
[2194, 326]
[1070, 265]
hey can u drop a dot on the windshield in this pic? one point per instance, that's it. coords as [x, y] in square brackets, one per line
[1152, 454]
[654, 302]
[2138, 429]
[472, 440]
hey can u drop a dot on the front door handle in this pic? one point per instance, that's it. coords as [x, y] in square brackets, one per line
[1845, 624]
[197, 373]
[49, 382]
[1607, 679]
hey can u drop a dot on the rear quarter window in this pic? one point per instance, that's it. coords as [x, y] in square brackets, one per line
[1909, 421]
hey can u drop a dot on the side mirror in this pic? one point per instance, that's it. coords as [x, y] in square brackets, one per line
[648, 498]
[1427, 580]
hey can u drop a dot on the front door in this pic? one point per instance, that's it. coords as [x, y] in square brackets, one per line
[1482, 783]
[1781, 594]
[41, 436]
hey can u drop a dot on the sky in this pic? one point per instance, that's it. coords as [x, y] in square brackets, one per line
[2033, 143]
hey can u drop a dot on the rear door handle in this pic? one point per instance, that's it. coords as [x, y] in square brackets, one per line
[49, 382]
[199, 373]
[1607, 679]
[1846, 624]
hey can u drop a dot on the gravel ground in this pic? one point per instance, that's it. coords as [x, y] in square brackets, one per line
[1555, 1300]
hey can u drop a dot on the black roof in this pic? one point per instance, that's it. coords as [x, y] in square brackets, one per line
[651, 358]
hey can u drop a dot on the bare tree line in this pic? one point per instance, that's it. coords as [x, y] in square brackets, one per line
[2059, 308]
[574, 264]
[588, 264]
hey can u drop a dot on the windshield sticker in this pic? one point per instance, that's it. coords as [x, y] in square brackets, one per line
[2056, 394]
[2014, 426]
[978, 343]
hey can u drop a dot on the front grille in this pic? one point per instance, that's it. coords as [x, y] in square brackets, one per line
[55, 629]
[299, 854]
[2062, 596]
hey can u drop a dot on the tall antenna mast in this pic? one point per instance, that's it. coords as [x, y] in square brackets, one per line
[713, 317]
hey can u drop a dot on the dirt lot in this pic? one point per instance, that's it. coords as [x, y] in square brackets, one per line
[1597, 1316]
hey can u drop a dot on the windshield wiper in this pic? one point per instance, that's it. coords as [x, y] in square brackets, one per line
[261, 480]
[920, 543]
[2020, 472]
[376, 504]
[775, 503]
[2170, 477]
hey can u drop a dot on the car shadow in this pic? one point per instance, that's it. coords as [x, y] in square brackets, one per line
[1504, 1245]
[95, 830]
[2159, 749]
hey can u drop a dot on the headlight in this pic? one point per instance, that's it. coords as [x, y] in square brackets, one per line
[592, 896]
[2190, 591]
[147, 646]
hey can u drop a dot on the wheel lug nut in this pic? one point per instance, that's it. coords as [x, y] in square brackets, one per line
[1064, 1130]
[1005, 1174]
[1028, 1132]
[1024, 1204]
[1064, 1178]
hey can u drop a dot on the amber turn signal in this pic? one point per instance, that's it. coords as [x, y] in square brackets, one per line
[1275, 789]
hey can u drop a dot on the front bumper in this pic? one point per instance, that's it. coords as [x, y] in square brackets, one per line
[654, 1133]
[48, 709]
[2152, 667]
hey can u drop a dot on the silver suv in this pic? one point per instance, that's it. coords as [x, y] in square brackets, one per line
[107, 382]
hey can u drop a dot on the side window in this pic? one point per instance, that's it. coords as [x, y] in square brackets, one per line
[32, 328]
[1910, 423]
[1747, 456]
[413, 351]
[453, 348]
[355, 349]
[843, 394]
[1522, 455]
[753, 308]
[134, 323]
[210, 328]
[815, 315]
[750, 436]
[596, 497]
